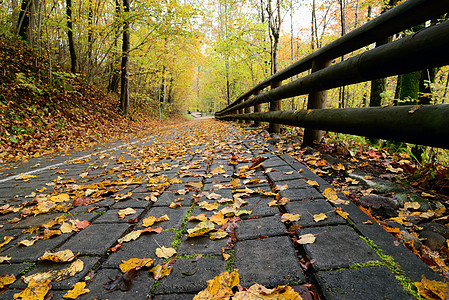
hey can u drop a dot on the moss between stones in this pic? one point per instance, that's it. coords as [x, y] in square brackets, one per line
[230, 262]
[395, 268]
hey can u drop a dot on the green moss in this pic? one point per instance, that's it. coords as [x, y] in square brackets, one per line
[178, 237]
[230, 262]
[27, 269]
[368, 264]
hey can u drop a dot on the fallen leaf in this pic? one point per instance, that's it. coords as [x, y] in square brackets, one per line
[331, 196]
[165, 252]
[218, 219]
[220, 287]
[135, 263]
[133, 235]
[67, 227]
[310, 182]
[319, 217]
[290, 217]
[257, 291]
[125, 212]
[6, 240]
[82, 224]
[57, 275]
[208, 206]
[160, 271]
[219, 234]
[24, 177]
[235, 183]
[115, 248]
[175, 204]
[197, 185]
[5, 258]
[6, 280]
[338, 167]
[306, 239]
[200, 217]
[59, 198]
[27, 243]
[412, 205]
[213, 196]
[78, 289]
[341, 213]
[34, 291]
[200, 229]
[434, 290]
[151, 220]
[60, 256]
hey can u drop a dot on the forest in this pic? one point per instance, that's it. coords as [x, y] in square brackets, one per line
[173, 56]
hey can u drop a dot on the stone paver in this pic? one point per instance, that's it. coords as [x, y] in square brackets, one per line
[254, 259]
[262, 248]
[370, 283]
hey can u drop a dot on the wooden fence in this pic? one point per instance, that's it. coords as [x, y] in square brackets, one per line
[428, 48]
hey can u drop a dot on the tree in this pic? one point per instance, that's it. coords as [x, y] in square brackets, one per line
[73, 59]
[124, 89]
[379, 86]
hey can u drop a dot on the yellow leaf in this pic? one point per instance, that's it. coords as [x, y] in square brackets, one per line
[6, 240]
[42, 189]
[257, 291]
[225, 255]
[200, 229]
[67, 227]
[412, 205]
[5, 258]
[306, 239]
[319, 217]
[165, 252]
[272, 203]
[338, 167]
[242, 212]
[133, 235]
[136, 263]
[290, 217]
[124, 212]
[151, 220]
[182, 192]
[59, 198]
[218, 219]
[310, 182]
[208, 206]
[225, 200]
[197, 185]
[424, 194]
[6, 279]
[160, 271]
[57, 275]
[78, 289]
[219, 234]
[34, 291]
[200, 217]
[24, 177]
[213, 196]
[236, 183]
[332, 196]
[122, 196]
[433, 290]
[175, 204]
[342, 213]
[60, 256]
[27, 243]
[220, 287]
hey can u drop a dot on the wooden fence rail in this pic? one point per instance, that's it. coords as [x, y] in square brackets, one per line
[427, 48]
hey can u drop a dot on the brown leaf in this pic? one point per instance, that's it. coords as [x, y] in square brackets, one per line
[122, 283]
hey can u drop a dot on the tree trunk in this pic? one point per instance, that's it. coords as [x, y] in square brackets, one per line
[115, 64]
[73, 60]
[124, 90]
[379, 86]
[23, 22]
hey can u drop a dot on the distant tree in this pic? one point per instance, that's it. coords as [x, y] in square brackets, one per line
[124, 89]
[73, 59]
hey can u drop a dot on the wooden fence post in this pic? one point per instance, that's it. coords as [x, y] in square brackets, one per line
[275, 105]
[247, 110]
[257, 108]
[316, 100]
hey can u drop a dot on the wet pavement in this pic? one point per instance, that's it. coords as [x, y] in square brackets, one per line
[202, 160]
